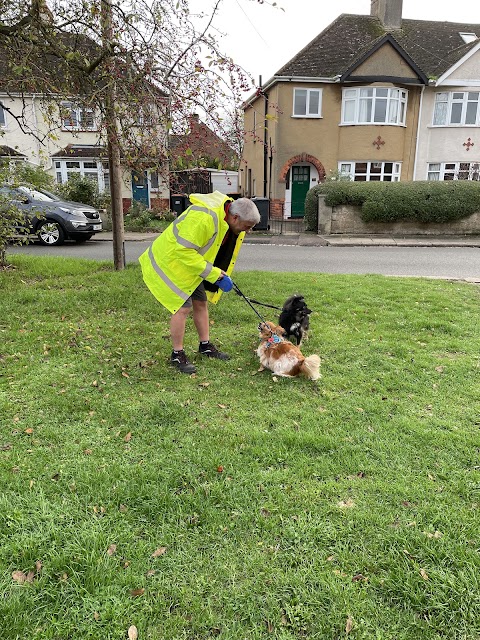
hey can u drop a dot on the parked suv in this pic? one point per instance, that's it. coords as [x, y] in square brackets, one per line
[52, 219]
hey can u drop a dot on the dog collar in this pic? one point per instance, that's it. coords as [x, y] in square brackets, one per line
[274, 339]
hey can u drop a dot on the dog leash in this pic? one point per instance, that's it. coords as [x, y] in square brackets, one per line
[247, 300]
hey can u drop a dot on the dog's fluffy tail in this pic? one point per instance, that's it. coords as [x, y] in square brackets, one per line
[310, 367]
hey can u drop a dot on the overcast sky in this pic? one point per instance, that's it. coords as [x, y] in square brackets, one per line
[263, 38]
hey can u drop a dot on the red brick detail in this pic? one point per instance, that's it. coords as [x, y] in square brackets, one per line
[159, 204]
[276, 208]
[127, 203]
[302, 157]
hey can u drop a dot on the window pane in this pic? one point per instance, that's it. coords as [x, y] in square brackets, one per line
[388, 167]
[471, 115]
[456, 116]
[365, 114]
[314, 102]
[393, 111]
[73, 165]
[380, 110]
[59, 177]
[90, 165]
[300, 108]
[349, 111]
[154, 180]
[366, 92]
[440, 114]
[381, 93]
[2, 117]
[360, 167]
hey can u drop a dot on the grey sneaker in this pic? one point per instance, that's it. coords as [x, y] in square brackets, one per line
[211, 351]
[180, 361]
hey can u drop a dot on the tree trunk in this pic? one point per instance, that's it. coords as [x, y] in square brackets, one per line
[114, 163]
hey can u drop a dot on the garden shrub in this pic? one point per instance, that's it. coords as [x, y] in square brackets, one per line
[79, 189]
[420, 201]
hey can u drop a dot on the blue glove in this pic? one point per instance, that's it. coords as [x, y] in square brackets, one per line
[225, 283]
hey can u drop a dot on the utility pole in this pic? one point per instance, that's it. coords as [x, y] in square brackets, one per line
[113, 147]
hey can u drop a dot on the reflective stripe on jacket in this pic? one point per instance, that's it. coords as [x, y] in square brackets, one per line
[183, 255]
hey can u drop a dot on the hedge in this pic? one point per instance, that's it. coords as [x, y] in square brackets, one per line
[422, 201]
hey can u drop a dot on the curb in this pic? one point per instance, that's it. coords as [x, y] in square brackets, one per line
[311, 240]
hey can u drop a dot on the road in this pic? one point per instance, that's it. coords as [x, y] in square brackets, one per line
[439, 262]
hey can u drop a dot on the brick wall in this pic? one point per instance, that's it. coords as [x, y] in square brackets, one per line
[276, 208]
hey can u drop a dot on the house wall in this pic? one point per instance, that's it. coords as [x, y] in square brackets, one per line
[385, 61]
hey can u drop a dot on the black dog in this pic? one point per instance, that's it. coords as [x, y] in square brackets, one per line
[294, 318]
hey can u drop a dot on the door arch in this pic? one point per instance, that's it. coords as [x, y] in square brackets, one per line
[300, 173]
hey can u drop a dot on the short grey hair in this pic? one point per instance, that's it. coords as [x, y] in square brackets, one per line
[245, 209]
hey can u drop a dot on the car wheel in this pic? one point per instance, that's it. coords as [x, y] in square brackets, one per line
[51, 234]
[82, 238]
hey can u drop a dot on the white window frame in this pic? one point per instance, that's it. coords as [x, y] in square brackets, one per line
[356, 99]
[442, 115]
[3, 117]
[63, 170]
[441, 171]
[77, 117]
[308, 101]
[373, 171]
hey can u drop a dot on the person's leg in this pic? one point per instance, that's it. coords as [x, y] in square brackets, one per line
[177, 332]
[201, 319]
[177, 327]
[202, 324]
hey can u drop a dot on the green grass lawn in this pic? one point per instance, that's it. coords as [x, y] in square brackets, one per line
[229, 504]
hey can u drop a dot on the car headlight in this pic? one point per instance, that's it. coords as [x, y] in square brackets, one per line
[77, 224]
[66, 210]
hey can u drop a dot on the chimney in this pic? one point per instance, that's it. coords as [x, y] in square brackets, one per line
[389, 12]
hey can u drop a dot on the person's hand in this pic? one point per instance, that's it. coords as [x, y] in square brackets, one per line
[224, 283]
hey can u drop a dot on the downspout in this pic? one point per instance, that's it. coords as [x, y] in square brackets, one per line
[265, 147]
[418, 132]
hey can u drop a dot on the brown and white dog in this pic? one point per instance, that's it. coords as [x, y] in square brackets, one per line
[282, 357]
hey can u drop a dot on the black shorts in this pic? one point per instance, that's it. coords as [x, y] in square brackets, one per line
[198, 294]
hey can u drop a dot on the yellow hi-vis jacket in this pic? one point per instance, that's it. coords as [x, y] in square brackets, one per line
[183, 255]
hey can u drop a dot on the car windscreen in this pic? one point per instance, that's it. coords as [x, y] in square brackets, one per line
[39, 194]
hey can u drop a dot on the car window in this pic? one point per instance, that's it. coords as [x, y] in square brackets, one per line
[38, 194]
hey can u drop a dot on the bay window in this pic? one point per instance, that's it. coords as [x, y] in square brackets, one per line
[454, 171]
[374, 105]
[371, 171]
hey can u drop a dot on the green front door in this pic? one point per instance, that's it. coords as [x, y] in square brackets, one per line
[300, 186]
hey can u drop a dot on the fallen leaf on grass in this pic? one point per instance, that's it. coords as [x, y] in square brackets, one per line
[159, 552]
[132, 633]
[424, 574]
[21, 577]
[150, 572]
[112, 549]
[436, 535]
[349, 625]
[439, 369]
[359, 577]
[29, 431]
[222, 406]
[137, 592]
[96, 616]
[128, 437]
[346, 504]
